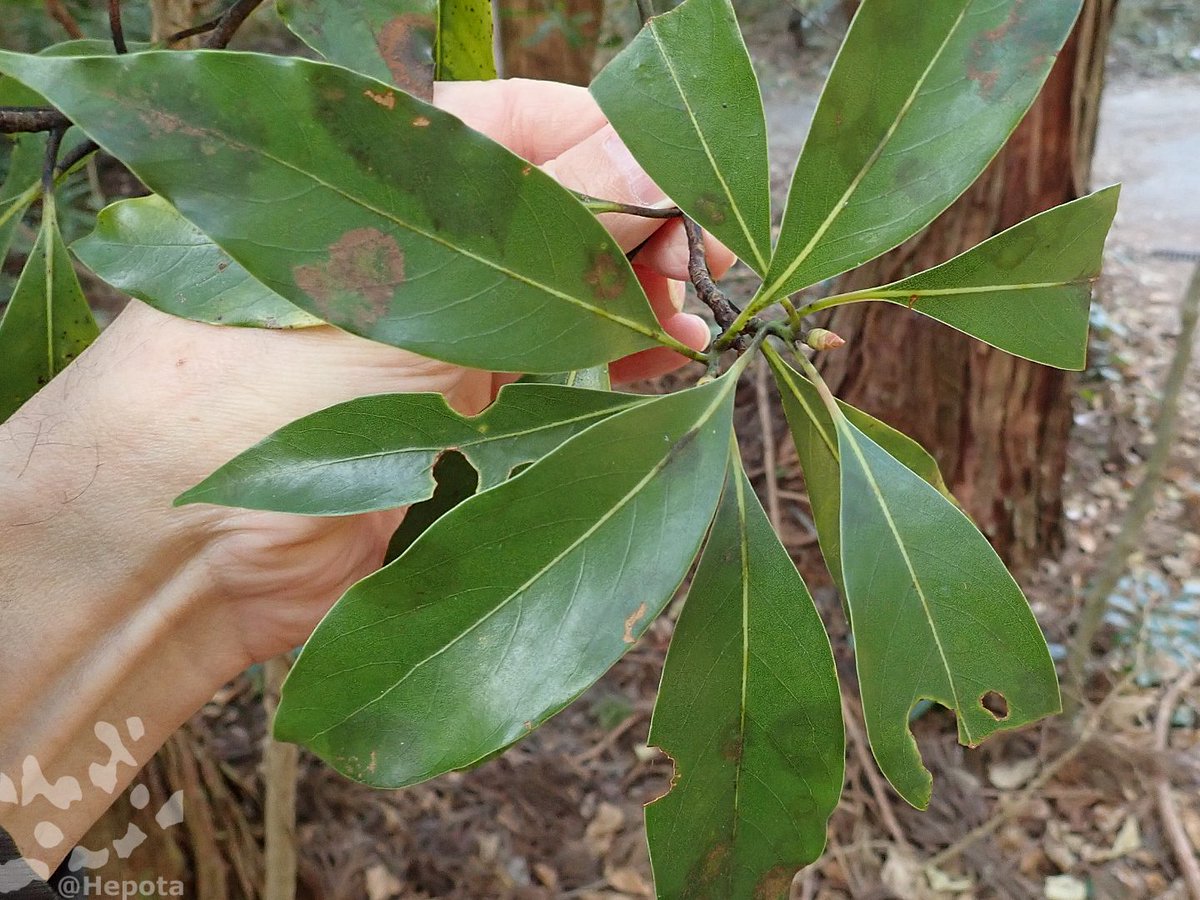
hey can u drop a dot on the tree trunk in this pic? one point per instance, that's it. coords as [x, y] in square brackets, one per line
[997, 424]
[553, 39]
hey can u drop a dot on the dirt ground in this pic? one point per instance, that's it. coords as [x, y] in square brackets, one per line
[559, 816]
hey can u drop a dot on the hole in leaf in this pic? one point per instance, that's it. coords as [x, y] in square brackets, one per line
[994, 703]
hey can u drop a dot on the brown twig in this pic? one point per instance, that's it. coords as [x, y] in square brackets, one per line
[878, 788]
[231, 20]
[114, 25]
[16, 119]
[1177, 836]
[645, 10]
[202, 28]
[52, 148]
[59, 13]
[711, 295]
[76, 156]
[770, 464]
[1095, 601]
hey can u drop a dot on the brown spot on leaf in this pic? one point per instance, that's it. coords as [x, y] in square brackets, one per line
[715, 863]
[631, 622]
[712, 209]
[526, 170]
[386, 100]
[222, 266]
[605, 277]
[775, 884]
[420, 122]
[732, 748]
[356, 283]
[404, 43]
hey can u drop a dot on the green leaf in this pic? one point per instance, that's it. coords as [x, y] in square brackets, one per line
[364, 206]
[13, 93]
[390, 40]
[464, 41]
[21, 185]
[47, 322]
[750, 712]
[684, 98]
[921, 98]
[145, 248]
[934, 612]
[1027, 291]
[815, 436]
[514, 602]
[377, 452]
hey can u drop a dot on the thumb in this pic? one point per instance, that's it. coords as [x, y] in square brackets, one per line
[602, 166]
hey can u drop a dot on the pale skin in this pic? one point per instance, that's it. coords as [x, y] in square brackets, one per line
[114, 604]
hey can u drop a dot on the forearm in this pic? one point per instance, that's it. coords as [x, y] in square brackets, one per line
[103, 607]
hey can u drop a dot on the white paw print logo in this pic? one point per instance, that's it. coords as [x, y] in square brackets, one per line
[65, 792]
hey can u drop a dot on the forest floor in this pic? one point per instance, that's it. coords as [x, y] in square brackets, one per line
[559, 816]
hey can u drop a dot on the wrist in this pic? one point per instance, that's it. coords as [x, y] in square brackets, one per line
[106, 604]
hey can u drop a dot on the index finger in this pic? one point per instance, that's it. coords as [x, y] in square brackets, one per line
[537, 120]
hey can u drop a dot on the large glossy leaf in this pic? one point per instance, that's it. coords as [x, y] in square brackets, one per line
[684, 98]
[47, 322]
[934, 612]
[377, 452]
[815, 436]
[464, 41]
[13, 93]
[1027, 290]
[368, 208]
[922, 96]
[145, 248]
[514, 602]
[21, 184]
[750, 712]
[391, 40]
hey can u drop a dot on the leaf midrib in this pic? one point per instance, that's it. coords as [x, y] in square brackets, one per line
[701, 421]
[916, 581]
[762, 263]
[858, 179]
[890, 294]
[482, 439]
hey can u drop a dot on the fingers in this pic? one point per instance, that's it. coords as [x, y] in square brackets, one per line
[537, 120]
[666, 252]
[603, 167]
[666, 298]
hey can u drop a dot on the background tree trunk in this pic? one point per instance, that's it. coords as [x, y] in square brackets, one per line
[998, 425]
[553, 39]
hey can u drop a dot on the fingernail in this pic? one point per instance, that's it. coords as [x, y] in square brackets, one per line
[642, 189]
[676, 292]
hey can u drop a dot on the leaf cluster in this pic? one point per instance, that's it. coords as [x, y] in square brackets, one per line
[546, 534]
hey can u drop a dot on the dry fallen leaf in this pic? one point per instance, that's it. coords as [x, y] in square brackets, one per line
[629, 881]
[382, 884]
[1008, 775]
[1064, 887]
[603, 828]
